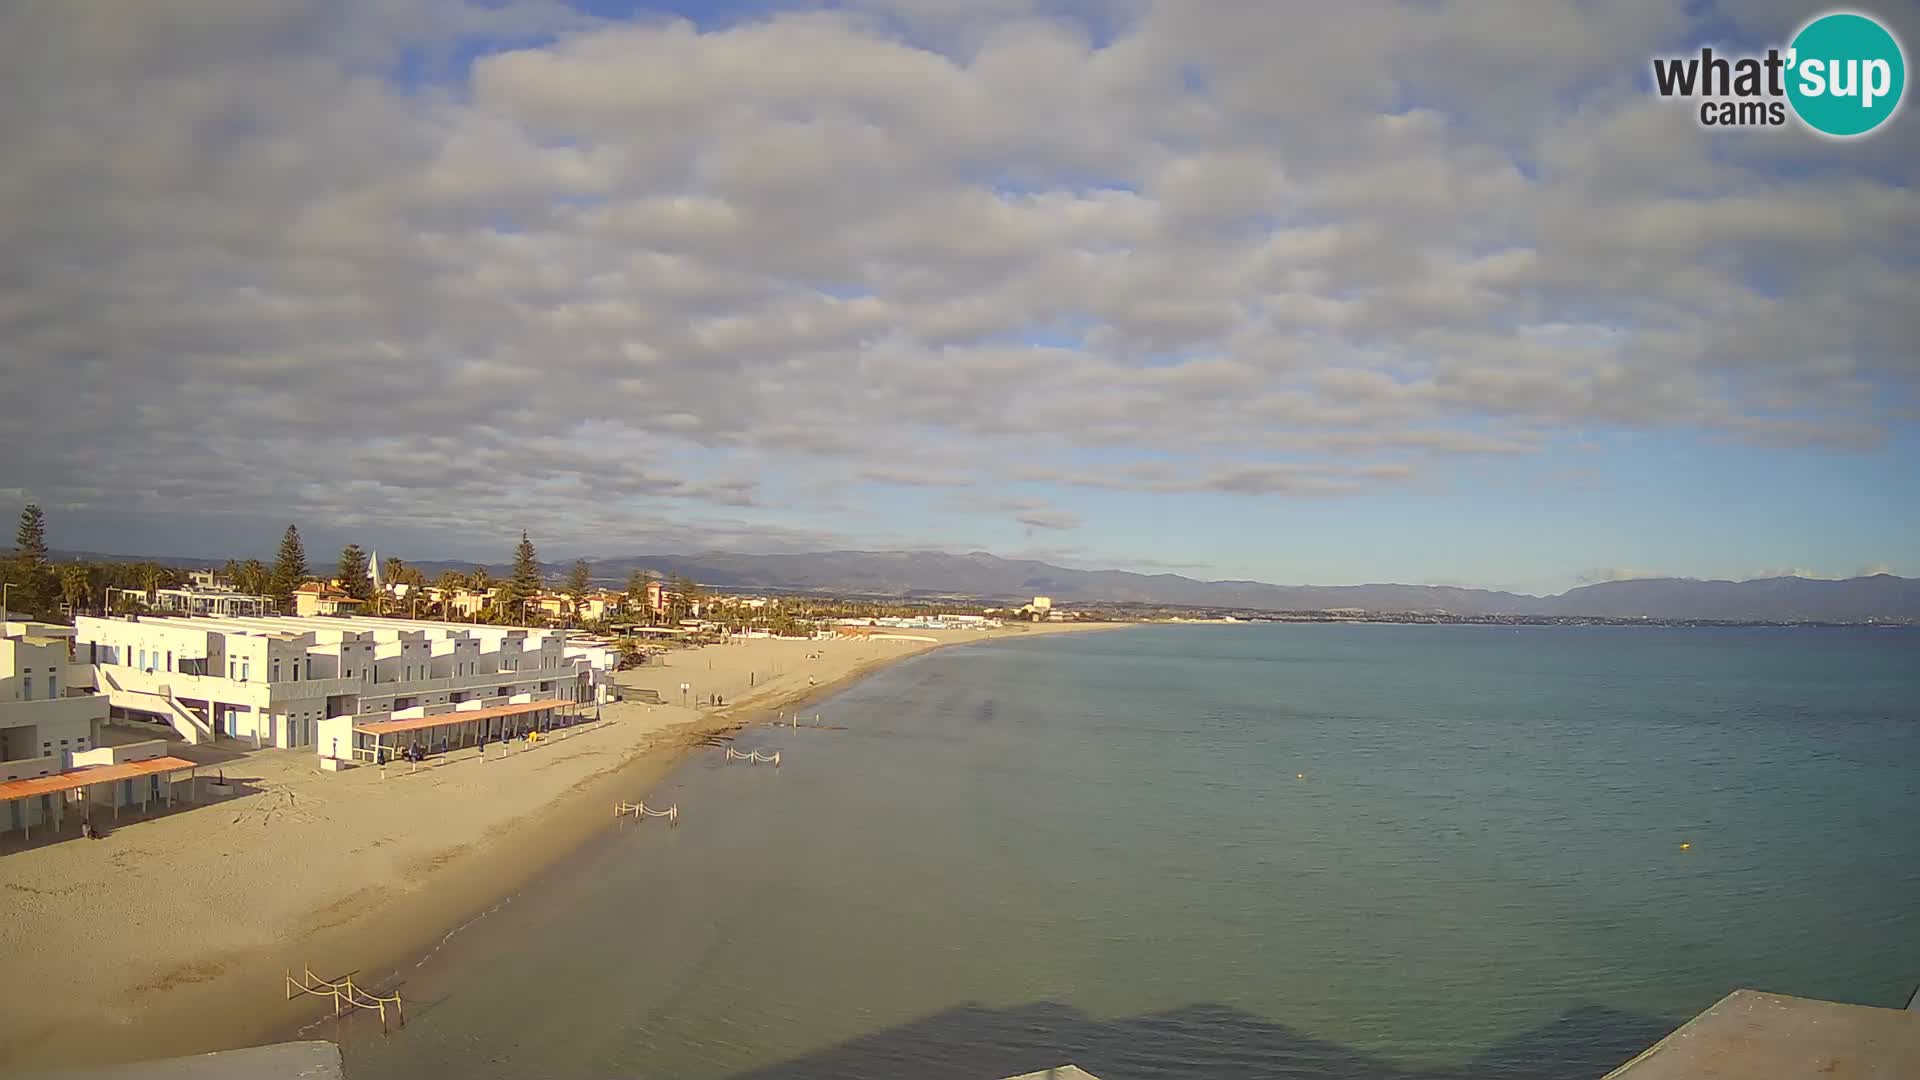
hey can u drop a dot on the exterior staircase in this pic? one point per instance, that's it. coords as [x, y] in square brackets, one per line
[163, 704]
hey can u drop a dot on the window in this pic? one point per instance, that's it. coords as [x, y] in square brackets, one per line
[246, 670]
[230, 669]
[28, 683]
[53, 686]
[276, 670]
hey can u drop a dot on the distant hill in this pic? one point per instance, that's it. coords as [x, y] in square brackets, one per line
[978, 575]
[909, 574]
[1784, 599]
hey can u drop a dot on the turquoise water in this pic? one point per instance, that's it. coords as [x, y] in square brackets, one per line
[1330, 851]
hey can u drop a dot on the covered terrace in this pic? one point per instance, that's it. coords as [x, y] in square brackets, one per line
[381, 740]
[42, 800]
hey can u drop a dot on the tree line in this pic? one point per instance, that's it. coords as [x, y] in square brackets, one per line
[39, 588]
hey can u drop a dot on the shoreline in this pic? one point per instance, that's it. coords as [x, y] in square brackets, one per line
[378, 924]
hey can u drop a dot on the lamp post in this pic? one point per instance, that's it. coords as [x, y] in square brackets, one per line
[4, 586]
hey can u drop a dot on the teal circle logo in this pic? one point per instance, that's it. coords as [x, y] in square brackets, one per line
[1846, 75]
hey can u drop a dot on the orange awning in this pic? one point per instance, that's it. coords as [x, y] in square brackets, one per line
[91, 774]
[390, 727]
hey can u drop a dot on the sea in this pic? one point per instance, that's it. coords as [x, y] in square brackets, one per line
[1288, 850]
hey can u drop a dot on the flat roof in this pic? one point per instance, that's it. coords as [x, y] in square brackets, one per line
[90, 774]
[389, 727]
[1756, 1036]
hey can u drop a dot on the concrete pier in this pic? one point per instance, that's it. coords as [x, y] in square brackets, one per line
[1756, 1036]
[313, 1060]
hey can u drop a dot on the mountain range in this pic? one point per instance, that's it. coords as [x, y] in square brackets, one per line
[981, 576]
[978, 575]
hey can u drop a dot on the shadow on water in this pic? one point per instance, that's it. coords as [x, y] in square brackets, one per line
[972, 1042]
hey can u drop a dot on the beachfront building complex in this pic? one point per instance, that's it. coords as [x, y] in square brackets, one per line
[277, 681]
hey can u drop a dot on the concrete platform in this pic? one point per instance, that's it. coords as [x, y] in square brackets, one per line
[1749, 1035]
[315, 1060]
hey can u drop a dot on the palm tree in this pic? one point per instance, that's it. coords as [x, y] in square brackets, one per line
[76, 585]
[480, 581]
[153, 577]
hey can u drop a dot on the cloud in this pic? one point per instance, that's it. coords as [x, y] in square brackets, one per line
[608, 272]
[1618, 573]
[909, 476]
[1042, 518]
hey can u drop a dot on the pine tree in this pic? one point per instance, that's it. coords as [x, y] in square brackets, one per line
[34, 587]
[579, 580]
[525, 582]
[31, 539]
[289, 569]
[354, 579]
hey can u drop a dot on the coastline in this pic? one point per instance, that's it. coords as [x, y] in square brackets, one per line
[175, 970]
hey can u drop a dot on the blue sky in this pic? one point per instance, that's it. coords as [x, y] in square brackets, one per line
[1415, 292]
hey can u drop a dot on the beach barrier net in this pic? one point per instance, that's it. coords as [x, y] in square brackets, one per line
[642, 811]
[346, 995]
[753, 756]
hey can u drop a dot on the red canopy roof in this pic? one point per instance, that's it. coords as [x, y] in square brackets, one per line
[89, 775]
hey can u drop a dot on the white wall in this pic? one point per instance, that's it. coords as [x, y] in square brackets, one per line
[149, 644]
[32, 729]
[336, 738]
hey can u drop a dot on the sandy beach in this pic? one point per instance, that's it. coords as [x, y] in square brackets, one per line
[170, 935]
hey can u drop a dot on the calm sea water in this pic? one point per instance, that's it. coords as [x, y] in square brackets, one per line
[1329, 851]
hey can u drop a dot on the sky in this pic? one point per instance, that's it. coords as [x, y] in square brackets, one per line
[1424, 292]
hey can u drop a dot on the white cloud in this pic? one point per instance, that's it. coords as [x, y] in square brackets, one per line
[1277, 253]
[1618, 573]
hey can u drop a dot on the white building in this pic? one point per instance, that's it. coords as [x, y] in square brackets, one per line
[43, 722]
[214, 600]
[50, 752]
[277, 681]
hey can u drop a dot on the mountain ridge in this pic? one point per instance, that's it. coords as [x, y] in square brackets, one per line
[982, 576]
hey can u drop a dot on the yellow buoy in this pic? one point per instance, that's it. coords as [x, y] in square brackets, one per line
[1299, 776]
[1686, 846]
